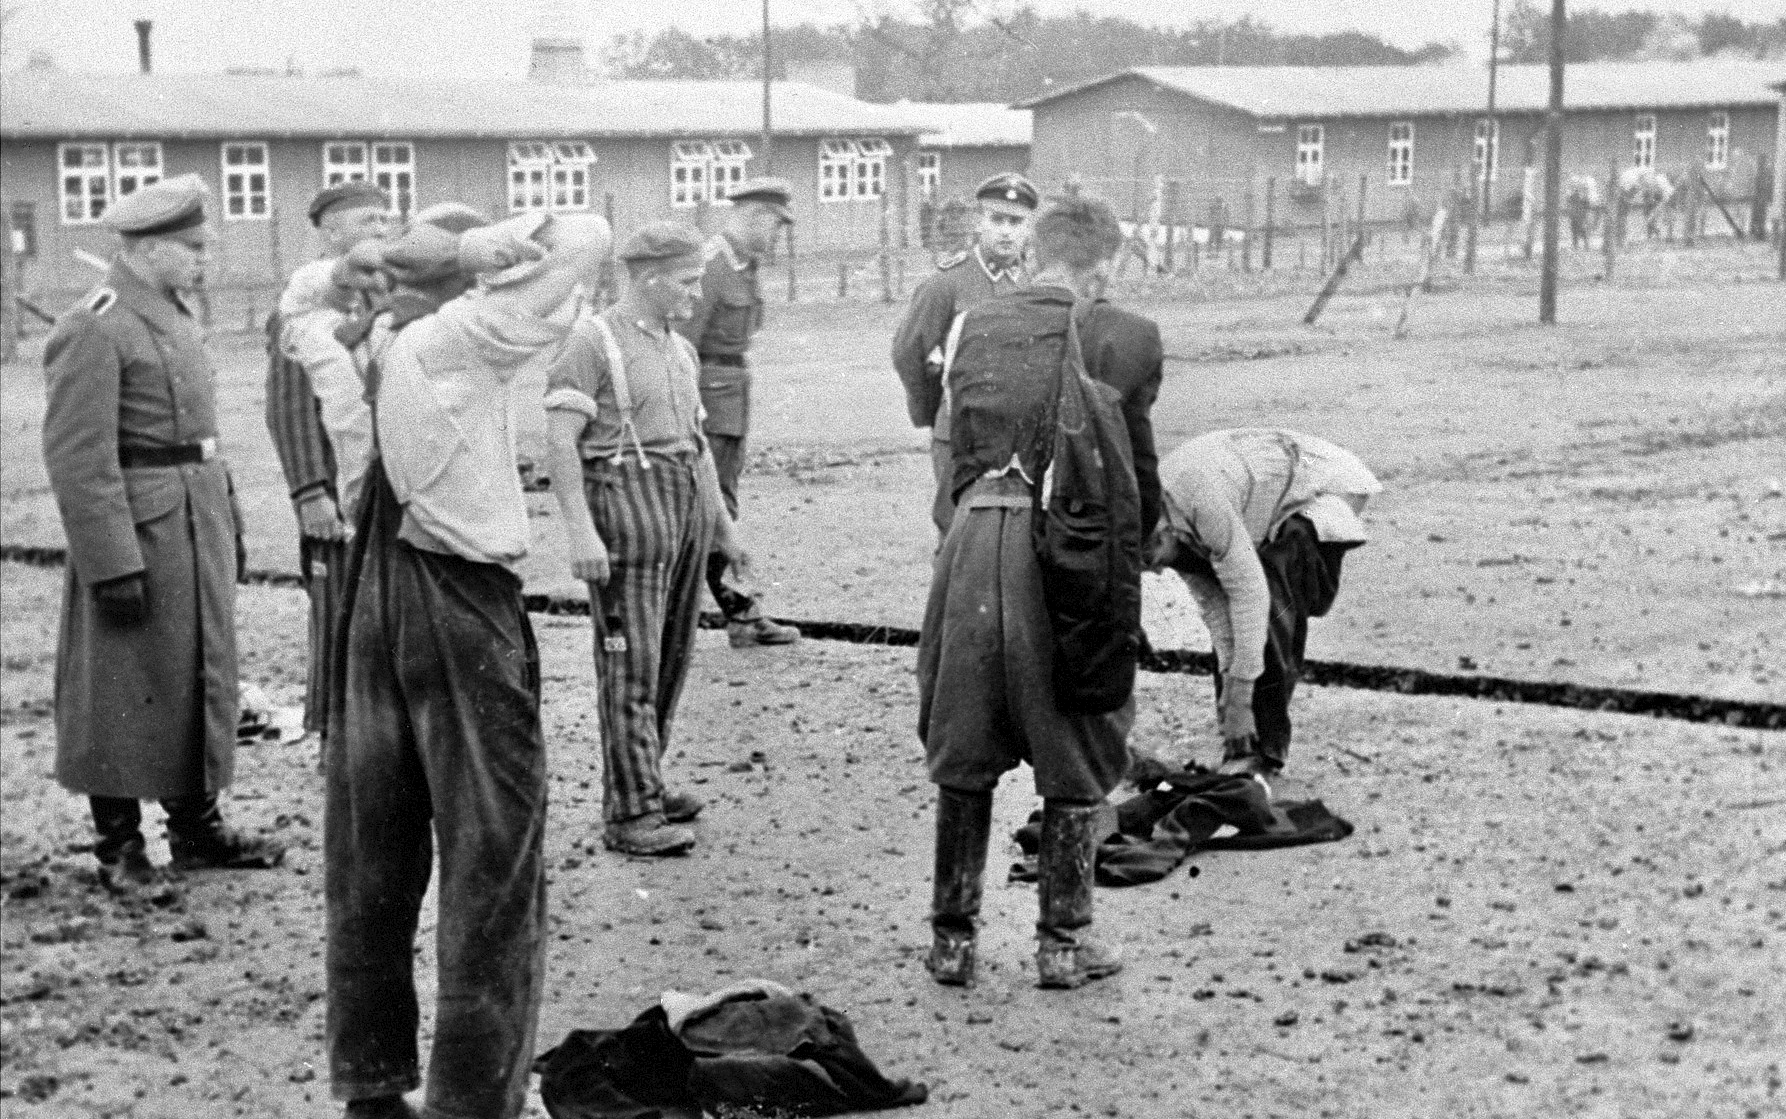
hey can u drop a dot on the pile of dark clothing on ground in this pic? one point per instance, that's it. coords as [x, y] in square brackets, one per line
[1179, 812]
[754, 1045]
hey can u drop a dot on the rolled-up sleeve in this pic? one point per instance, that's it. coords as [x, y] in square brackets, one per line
[571, 378]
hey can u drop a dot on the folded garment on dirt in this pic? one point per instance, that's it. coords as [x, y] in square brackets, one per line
[756, 1045]
[1180, 814]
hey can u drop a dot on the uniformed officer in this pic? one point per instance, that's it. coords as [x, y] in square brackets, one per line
[642, 510]
[729, 314]
[1007, 204]
[146, 702]
[317, 419]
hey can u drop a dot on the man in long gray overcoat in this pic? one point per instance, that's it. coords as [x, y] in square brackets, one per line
[146, 703]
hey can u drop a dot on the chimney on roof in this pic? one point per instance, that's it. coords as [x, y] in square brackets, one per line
[143, 27]
[557, 46]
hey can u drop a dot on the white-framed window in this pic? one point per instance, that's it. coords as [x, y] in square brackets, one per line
[1401, 152]
[85, 174]
[689, 161]
[344, 161]
[871, 167]
[135, 165]
[530, 173]
[1643, 141]
[1717, 142]
[1311, 144]
[1486, 151]
[572, 164]
[730, 160]
[930, 175]
[246, 187]
[393, 171]
[837, 159]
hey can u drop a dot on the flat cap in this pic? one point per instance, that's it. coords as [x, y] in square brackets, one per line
[173, 205]
[346, 196]
[1009, 187]
[771, 191]
[661, 240]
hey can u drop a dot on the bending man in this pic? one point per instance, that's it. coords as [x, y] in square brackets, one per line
[1257, 522]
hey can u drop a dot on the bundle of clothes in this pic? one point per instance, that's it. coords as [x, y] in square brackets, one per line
[1179, 812]
[753, 1045]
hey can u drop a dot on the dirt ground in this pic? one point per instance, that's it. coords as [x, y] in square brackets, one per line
[1543, 912]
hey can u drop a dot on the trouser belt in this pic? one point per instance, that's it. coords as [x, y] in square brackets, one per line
[184, 454]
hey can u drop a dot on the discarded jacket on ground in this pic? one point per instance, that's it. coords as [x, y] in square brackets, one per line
[755, 1045]
[1179, 814]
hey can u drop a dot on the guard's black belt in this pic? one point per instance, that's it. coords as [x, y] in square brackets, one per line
[736, 361]
[166, 456]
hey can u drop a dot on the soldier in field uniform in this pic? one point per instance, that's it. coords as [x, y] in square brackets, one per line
[1007, 203]
[146, 702]
[727, 317]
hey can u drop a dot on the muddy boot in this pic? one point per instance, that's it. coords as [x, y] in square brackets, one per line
[1067, 957]
[651, 834]
[200, 840]
[752, 628]
[963, 829]
[680, 807]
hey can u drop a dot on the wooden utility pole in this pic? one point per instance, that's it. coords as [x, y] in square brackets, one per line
[1612, 225]
[768, 137]
[1270, 220]
[1553, 167]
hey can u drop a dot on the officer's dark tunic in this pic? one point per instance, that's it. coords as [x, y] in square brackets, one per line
[986, 699]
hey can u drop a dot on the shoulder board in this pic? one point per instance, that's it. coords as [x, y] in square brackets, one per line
[944, 263]
[101, 301]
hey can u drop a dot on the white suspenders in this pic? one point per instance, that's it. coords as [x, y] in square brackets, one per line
[623, 396]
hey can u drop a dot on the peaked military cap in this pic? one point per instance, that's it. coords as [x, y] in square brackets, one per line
[1009, 187]
[766, 189]
[661, 240]
[343, 195]
[170, 206]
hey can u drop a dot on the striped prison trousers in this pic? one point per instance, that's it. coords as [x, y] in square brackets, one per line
[323, 566]
[657, 536]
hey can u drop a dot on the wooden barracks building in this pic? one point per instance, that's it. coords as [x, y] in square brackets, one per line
[265, 143]
[1412, 132]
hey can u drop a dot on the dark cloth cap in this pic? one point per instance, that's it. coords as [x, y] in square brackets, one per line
[1010, 187]
[346, 194]
[169, 206]
[661, 240]
[766, 189]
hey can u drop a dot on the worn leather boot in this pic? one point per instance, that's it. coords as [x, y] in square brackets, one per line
[380, 1107]
[963, 830]
[680, 806]
[1066, 956]
[199, 839]
[754, 629]
[651, 835]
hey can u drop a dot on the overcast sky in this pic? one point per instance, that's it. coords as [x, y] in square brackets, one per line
[490, 37]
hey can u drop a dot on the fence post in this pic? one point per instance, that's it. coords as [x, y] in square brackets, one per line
[886, 261]
[275, 249]
[1270, 219]
[1612, 224]
[1326, 225]
[1246, 231]
[606, 277]
[793, 283]
[1171, 259]
[1363, 228]
[1690, 215]
[843, 279]
[9, 286]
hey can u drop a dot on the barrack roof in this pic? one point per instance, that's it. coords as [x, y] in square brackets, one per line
[972, 124]
[1381, 91]
[47, 104]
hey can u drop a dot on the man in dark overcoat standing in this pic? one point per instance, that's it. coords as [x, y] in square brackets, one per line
[146, 703]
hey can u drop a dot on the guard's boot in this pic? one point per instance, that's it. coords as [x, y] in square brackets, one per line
[963, 829]
[1066, 957]
[200, 840]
